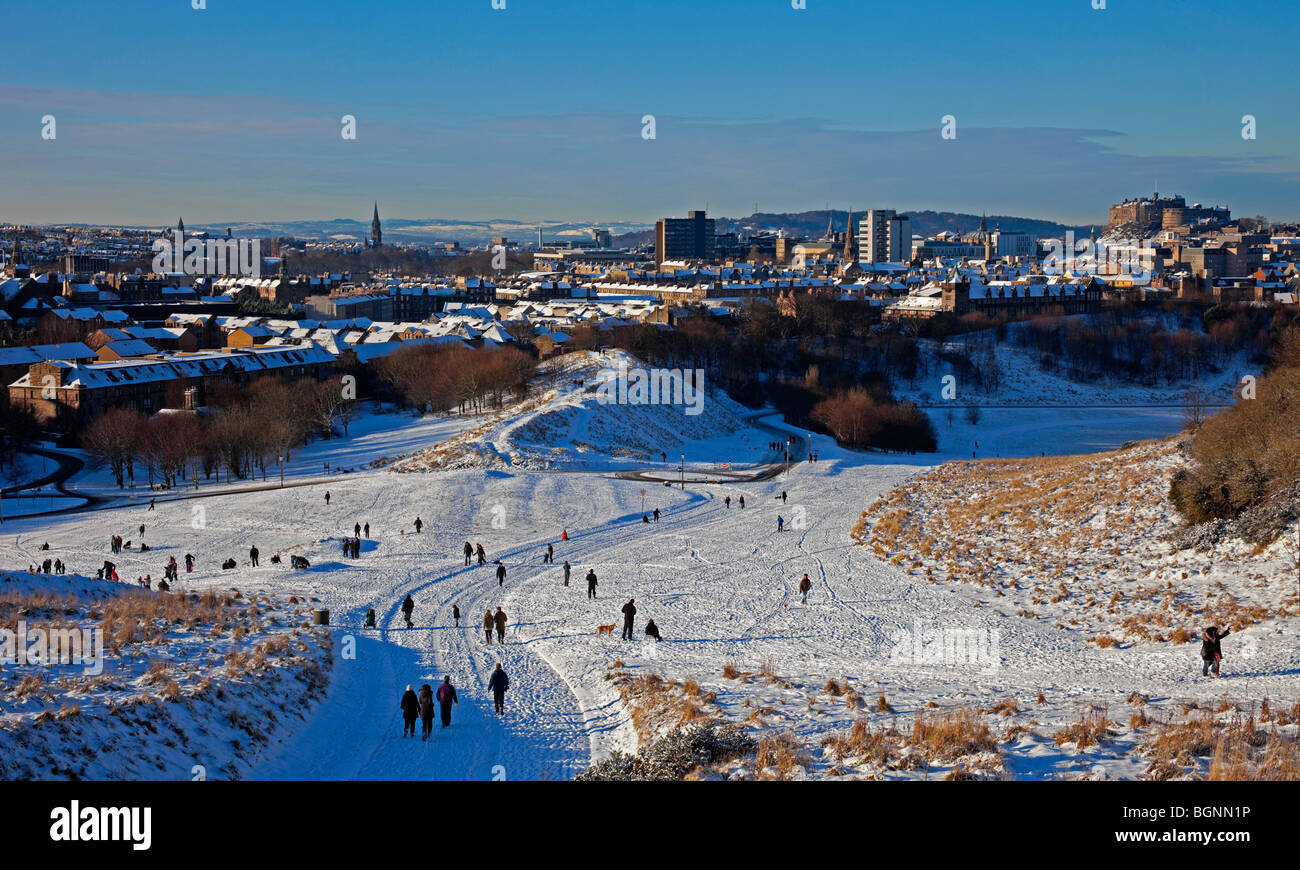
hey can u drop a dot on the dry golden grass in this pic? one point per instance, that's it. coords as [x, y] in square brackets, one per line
[780, 756]
[1092, 728]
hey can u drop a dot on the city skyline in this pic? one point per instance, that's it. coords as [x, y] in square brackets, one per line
[536, 112]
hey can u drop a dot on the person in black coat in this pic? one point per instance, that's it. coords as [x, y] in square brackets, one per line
[501, 574]
[498, 684]
[408, 607]
[410, 711]
[629, 612]
[1211, 652]
[652, 630]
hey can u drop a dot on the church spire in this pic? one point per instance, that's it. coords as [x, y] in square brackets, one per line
[848, 238]
[376, 234]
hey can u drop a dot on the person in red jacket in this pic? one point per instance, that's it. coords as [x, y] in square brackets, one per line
[804, 586]
[426, 711]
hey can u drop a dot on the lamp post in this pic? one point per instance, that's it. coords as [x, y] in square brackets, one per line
[683, 471]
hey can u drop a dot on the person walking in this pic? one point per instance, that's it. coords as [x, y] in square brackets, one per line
[356, 530]
[455, 614]
[189, 563]
[488, 623]
[152, 503]
[446, 697]
[629, 613]
[498, 684]
[419, 524]
[742, 501]
[426, 712]
[727, 502]
[252, 554]
[367, 528]
[550, 555]
[410, 707]
[500, 620]
[482, 555]
[408, 607]
[656, 515]
[591, 583]
[783, 496]
[567, 569]
[1211, 651]
[327, 498]
[780, 523]
[501, 574]
[804, 586]
[469, 551]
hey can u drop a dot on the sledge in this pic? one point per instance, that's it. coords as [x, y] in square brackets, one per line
[299, 562]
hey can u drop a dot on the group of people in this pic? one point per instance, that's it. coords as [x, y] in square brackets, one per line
[352, 548]
[471, 550]
[48, 567]
[421, 705]
[629, 619]
[494, 621]
[727, 502]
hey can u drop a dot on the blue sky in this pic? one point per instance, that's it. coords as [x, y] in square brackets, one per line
[534, 112]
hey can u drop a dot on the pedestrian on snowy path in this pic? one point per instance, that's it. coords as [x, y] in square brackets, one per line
[550, 555]
[356, 530]
[783, 496]
[488, 623]
[500, 620]
[252, 554]
[447, 697]
[727, 502]
[408, 607]
[780, 523]
[482, 555]
[498, 684]
[410, 706]
[652, 630]
[501, 574]
[426, 711]
[1211, 652]
[327, 498]
[629, 612]
[656, 515]
[419, 524]
[742, 501]
[804, 585]
[567, 569]
[469, 551]
[367, 528]
[455, 614]
[591, 583]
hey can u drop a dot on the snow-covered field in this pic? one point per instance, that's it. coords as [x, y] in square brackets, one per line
[721, 583]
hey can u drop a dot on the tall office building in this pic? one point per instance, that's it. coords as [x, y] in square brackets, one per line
[688, 238]
[884, 236]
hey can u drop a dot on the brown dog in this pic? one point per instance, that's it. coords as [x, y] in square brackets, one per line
[606, 629]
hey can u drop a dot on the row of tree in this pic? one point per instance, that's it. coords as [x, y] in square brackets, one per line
[440, 378]
[245, 430]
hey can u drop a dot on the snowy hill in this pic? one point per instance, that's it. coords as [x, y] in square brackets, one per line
[576, 422]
